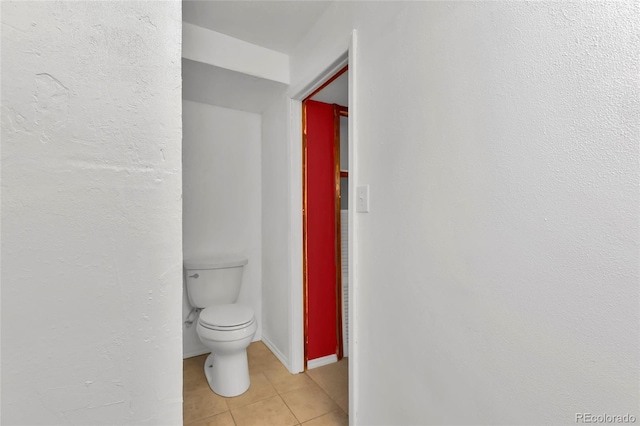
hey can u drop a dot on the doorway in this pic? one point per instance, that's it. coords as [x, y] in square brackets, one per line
[325, 221]
[318, 75]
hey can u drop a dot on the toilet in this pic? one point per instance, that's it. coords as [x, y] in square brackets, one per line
[225, 327]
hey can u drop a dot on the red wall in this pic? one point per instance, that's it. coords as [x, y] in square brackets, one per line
[321, 231]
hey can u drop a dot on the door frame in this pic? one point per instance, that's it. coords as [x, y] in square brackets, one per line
[339, 112]
[305, 211]
[341, 56]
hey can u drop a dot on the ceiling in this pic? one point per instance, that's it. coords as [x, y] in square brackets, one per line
[276, 25]
[337, 92]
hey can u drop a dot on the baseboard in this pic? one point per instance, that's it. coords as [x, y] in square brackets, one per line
[196, 352]
[276, 352]
[319, 362]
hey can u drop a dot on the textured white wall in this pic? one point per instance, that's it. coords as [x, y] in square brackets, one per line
[498, 267]
[222, 197]
[91, 213]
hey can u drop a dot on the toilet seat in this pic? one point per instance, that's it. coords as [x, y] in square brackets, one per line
[226, 317]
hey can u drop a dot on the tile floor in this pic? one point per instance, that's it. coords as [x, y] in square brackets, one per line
[276, 397]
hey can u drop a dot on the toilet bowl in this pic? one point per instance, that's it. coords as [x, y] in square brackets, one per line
[227, 330]
[224, 327]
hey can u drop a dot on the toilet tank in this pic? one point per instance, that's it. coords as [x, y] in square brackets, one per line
[214, 280]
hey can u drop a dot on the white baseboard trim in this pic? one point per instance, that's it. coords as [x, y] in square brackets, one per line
[319, 362]
[196, 352]
[276, 352]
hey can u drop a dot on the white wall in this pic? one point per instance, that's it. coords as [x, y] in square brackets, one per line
[222, 197]
[498, 267]
[211, 85]
[91, 213]
[275, 224]
[220, 50]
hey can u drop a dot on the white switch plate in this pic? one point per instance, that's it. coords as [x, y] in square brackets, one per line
[362, 199]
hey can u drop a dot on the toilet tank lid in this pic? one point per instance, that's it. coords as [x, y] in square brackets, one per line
[215, 262]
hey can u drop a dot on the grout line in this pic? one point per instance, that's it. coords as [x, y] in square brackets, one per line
[323, 391]
[209, 417]
[252, 402]
[270, 382]
[233, 418]
[323, 414]
[328, 412]
[290, 410]
[329, 395]
[335, 401]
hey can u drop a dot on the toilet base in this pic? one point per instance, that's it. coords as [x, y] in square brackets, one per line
[228, 375]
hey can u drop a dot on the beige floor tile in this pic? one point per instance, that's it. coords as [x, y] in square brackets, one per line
[309, 402]
[193, 378]
[334, 418]
[259, 352]
[312, 397]
[334, 380]
[261, 388]
[201, 404]
[285, 382]
[195, 361]
[261, 358]
[257, 348]
[338, 372]
[269, 412]
[222, 419]
[341, 397]
[263, 365]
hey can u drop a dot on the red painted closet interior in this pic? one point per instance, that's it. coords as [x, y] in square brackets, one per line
[321, 230]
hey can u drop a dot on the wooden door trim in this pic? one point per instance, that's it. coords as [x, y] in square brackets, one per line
[338, 111]
[305, 278]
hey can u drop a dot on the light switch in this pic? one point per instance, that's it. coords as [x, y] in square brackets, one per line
[362, 199]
